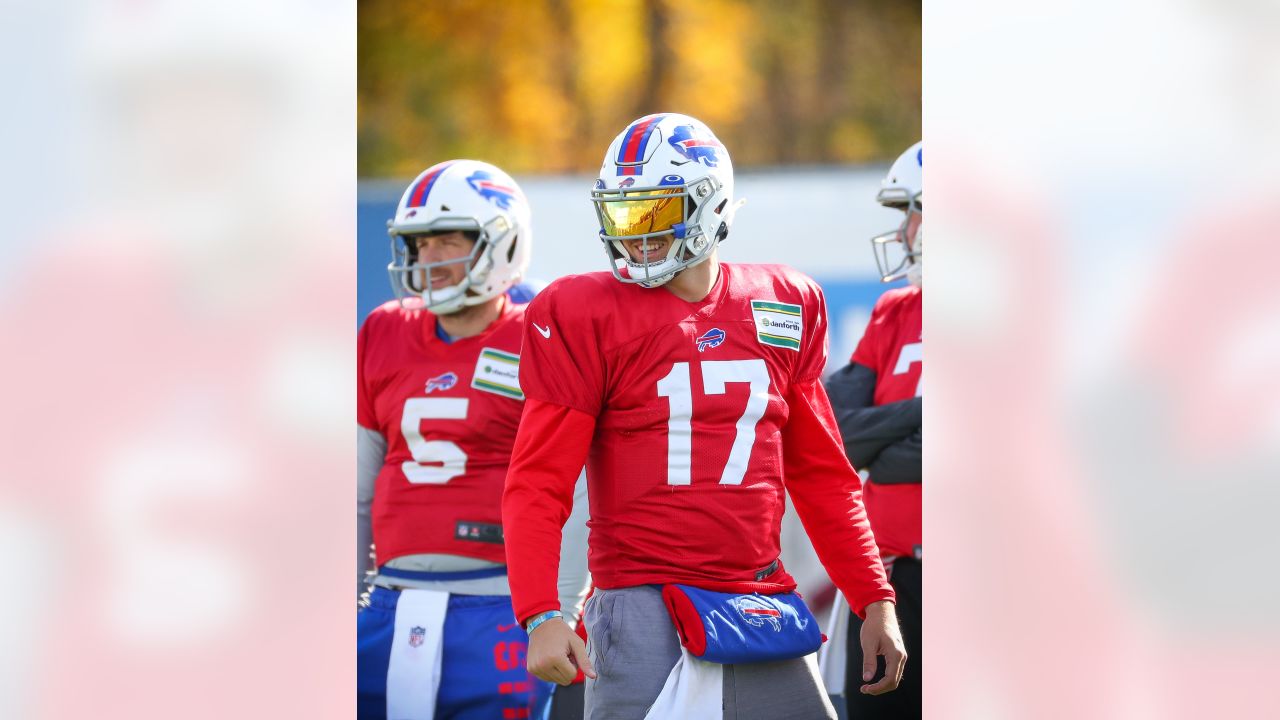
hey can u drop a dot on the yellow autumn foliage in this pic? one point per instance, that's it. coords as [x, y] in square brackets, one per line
[544, 85]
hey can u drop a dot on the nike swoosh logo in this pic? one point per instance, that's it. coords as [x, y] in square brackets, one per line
[505, 628]
[543, 331]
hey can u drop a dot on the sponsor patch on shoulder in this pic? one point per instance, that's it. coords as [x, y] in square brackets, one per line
[778, 324]
[498, 372]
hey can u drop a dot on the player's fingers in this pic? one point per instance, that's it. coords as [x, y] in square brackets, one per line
[557, 670]
[868, 657]
[548, 664]
[898, 662]
[565, 672]
[893, 660]
[580, 657]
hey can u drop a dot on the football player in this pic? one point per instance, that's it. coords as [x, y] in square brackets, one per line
[877, 400]
[438, 402]
[691, 388]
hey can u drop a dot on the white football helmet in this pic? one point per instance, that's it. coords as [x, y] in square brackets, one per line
[665, 180]
[899, 252]
[474, 197]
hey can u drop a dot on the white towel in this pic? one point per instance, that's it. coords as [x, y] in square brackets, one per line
[413, 675]
[694, 691]
[833, 656]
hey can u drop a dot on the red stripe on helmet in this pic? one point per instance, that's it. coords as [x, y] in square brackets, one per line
[420, 190]
[632, 150]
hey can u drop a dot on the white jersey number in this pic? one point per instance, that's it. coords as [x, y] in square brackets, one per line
[716, 374]
[435, 462]
[907, 356]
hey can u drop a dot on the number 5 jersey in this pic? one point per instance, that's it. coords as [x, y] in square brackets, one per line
[449, 412]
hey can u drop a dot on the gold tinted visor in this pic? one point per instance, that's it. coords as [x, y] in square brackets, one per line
[655, 211]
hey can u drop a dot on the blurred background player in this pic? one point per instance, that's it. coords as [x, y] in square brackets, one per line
[693, 387]
[877, 401]
[438, 403]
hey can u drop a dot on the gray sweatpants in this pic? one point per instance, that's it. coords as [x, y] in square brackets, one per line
[633, 646]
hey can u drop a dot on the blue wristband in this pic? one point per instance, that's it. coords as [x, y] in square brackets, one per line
[541, 618]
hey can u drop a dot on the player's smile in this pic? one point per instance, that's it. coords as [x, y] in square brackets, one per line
[656, 249]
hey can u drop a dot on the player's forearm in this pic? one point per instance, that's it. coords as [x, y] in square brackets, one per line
[371, 452]
[867, 429]
[550, 450]
[828, 498]
[899, 462]
[574, 579]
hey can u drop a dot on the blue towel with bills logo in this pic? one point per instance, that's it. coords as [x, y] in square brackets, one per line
[729, 628]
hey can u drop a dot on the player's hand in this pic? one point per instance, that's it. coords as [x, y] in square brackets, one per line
[556, 652]
[881, 636]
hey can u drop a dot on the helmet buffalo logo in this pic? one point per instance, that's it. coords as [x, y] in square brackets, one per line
[686, 140]
[495, 192]
[627, 181]
[710, 339]
[442, 382]
[417, 634]
[757, 612]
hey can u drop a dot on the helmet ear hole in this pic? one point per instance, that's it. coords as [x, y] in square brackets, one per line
[720, 207]
[511, 251]
[723, 231]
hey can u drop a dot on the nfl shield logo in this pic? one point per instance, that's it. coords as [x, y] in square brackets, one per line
[417, 635]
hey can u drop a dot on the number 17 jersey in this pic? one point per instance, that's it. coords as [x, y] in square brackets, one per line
[685, 471]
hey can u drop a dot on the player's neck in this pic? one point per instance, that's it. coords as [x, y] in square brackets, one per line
[472, 320]
[694, 284]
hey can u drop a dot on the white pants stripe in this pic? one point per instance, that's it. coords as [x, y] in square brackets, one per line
[417, 652]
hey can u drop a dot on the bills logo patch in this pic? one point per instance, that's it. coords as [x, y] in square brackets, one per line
[757, 612]
[442, 382]
[710, 339]
[417, 635]
[627, 182]
[693, 146]
[491, 190]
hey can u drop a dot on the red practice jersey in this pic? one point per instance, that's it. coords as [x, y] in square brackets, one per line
[685, 470]
[449, 412]
[893, 346]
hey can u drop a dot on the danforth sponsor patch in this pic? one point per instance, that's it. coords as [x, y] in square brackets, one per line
[777, 324]
[498, 372]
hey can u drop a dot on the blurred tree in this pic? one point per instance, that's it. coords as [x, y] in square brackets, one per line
[544, 85]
